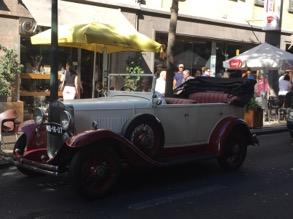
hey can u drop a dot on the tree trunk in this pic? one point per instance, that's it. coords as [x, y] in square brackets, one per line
[170, 47]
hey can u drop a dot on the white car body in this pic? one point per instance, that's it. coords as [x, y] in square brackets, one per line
[184, 124]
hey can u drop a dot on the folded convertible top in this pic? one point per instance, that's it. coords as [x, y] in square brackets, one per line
[238, 90]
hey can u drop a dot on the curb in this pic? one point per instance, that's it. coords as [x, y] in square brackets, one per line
[269, 130]
[4, 163]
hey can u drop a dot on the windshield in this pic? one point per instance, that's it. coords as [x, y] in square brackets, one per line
[131, 82]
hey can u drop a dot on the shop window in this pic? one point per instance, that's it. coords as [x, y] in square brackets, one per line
[259, 3]
[290, 9]
[143, 2]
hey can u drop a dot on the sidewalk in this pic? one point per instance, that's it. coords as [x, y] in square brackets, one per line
[7, 149]
[268, 128]
[271, 127]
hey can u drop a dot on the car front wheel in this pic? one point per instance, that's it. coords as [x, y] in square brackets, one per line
[94, 172]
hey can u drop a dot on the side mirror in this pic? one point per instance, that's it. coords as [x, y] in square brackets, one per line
[159, 101]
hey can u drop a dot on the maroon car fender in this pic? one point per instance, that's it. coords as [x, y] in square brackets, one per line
[97, 137]
[36, 154]
[34, 138]
[222, 130]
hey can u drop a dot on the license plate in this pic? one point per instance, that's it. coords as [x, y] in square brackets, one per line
[54, 129]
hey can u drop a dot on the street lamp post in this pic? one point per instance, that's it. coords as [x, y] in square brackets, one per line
[273, 36]
[274, 12]
[54, 52]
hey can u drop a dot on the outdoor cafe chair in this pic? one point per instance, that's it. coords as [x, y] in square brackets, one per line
[8, 124]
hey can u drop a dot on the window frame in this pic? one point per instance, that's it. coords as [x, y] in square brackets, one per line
[259, 3]
[290, 6]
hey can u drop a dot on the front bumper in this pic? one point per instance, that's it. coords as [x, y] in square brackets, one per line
[37, 167]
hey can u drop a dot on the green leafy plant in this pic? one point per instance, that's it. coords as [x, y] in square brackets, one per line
[252, 104]
[134, 67]
[10, 68]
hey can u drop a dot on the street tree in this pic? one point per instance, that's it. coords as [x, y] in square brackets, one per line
[170, 47]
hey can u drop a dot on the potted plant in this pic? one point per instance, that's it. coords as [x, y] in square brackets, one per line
[10, 69]
[253, 114]
[134, 67]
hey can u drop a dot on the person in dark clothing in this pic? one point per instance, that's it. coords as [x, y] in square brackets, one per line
[70, 85]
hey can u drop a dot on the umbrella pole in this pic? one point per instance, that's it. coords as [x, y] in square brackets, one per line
[105, 69]
[79, 70]
[94, 73]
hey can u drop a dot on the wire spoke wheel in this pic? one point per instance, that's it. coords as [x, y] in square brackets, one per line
[95, 172]
[234, 153]
[145, 134]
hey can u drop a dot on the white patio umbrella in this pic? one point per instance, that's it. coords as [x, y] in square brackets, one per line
[263, 56]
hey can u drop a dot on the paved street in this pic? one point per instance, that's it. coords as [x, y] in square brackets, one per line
[262, 188]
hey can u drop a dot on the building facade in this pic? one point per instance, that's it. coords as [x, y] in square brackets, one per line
[208, 31]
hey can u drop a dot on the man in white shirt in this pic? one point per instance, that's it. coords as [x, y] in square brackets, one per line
[285, 86]
[161, 83]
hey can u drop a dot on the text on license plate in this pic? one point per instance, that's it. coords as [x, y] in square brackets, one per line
[54, 129]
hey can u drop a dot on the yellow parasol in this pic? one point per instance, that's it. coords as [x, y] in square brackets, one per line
[99, 37]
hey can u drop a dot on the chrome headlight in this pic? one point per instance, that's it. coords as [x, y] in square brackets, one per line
[39, 115]
[65, 120]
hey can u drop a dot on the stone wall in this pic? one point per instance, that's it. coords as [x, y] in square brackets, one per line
[10, 12]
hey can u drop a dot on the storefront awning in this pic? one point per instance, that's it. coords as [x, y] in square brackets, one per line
[73, 13]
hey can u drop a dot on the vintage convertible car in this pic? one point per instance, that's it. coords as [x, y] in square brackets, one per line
[91, 139]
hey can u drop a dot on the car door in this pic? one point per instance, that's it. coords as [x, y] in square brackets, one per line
[201, 121]
[174, 119]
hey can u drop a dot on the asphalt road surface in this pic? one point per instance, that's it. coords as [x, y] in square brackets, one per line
[262, 188]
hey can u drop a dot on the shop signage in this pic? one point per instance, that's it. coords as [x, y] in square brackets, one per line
[235, 63]
[272, 14]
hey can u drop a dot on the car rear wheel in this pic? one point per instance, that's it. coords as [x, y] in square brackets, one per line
[234, 152]
[94, 172]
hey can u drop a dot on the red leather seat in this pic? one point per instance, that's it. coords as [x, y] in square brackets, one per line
[173, 100]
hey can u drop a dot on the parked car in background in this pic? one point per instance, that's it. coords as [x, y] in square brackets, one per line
[290, 122]
[287, 111]
[91, 138]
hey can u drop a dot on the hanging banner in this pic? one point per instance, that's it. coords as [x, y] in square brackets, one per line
[272, 14]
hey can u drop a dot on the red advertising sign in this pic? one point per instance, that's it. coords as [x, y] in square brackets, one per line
[235, 63]
[272, 14]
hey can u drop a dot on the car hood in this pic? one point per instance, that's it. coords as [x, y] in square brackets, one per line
[110, 102]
